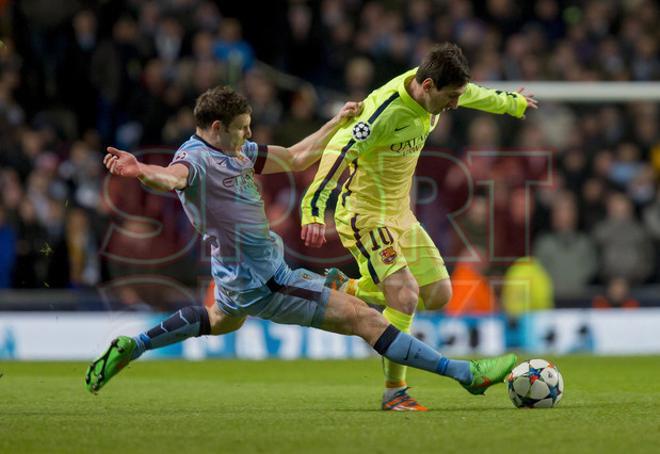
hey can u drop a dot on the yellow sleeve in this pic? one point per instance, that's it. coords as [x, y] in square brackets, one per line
[343, 149]
[493, 101]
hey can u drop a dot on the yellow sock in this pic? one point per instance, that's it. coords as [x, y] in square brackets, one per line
[395, 374]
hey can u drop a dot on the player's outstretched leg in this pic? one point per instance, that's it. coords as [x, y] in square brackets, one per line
[191, 321]
[475, 376]
[348, 315]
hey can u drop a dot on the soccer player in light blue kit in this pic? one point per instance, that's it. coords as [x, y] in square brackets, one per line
[213, 175]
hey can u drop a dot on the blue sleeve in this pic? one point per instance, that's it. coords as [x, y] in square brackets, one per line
[192, 159]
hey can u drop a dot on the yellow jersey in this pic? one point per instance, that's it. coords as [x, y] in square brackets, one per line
[381, 147]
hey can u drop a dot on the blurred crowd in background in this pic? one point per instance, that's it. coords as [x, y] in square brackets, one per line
[77, 76]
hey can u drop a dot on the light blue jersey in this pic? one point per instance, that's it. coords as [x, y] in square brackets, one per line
[223, 203]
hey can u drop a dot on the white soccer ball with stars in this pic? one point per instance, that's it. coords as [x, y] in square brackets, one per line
[535, 383]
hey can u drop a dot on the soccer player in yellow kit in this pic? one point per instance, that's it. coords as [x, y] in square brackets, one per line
[400, 266]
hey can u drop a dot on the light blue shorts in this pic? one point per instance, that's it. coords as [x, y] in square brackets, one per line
[291, 297]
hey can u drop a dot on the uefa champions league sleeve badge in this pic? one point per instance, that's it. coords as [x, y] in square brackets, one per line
[361, 131]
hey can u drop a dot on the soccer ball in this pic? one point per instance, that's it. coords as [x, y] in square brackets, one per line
[535, 383]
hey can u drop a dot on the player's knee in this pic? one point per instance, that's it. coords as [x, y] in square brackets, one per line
[408, 298]
[221, 323]
[402, 293]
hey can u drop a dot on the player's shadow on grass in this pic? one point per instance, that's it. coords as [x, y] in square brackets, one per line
[431, 410]
[568, 406]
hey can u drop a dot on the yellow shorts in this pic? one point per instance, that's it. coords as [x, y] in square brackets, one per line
[381, 249]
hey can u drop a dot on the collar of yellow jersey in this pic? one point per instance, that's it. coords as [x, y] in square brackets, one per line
[406, 98]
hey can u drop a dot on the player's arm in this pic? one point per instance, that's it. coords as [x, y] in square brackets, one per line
[338, 153]
[497, 101]
[306, 152]
[124, 164]
[355, 138]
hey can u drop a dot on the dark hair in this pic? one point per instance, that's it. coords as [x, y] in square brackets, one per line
[446, 65]
[219, 103]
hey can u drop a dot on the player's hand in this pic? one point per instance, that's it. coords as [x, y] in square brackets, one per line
[121, 163]
[349, 111]
[313, 235]
[532, 102]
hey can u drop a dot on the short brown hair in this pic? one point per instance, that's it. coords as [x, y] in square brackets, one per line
[219, 103]
[446, 65]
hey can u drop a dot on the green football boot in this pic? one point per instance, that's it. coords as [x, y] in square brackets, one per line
[106, 366]
[490, 371]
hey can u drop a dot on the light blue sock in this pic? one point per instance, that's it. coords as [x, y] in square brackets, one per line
[457, 369]
[405, 349]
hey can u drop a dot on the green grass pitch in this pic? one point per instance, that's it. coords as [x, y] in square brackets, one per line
[610, 405]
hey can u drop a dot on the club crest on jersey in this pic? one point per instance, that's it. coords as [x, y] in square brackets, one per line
[388, 255]
[361, 131]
